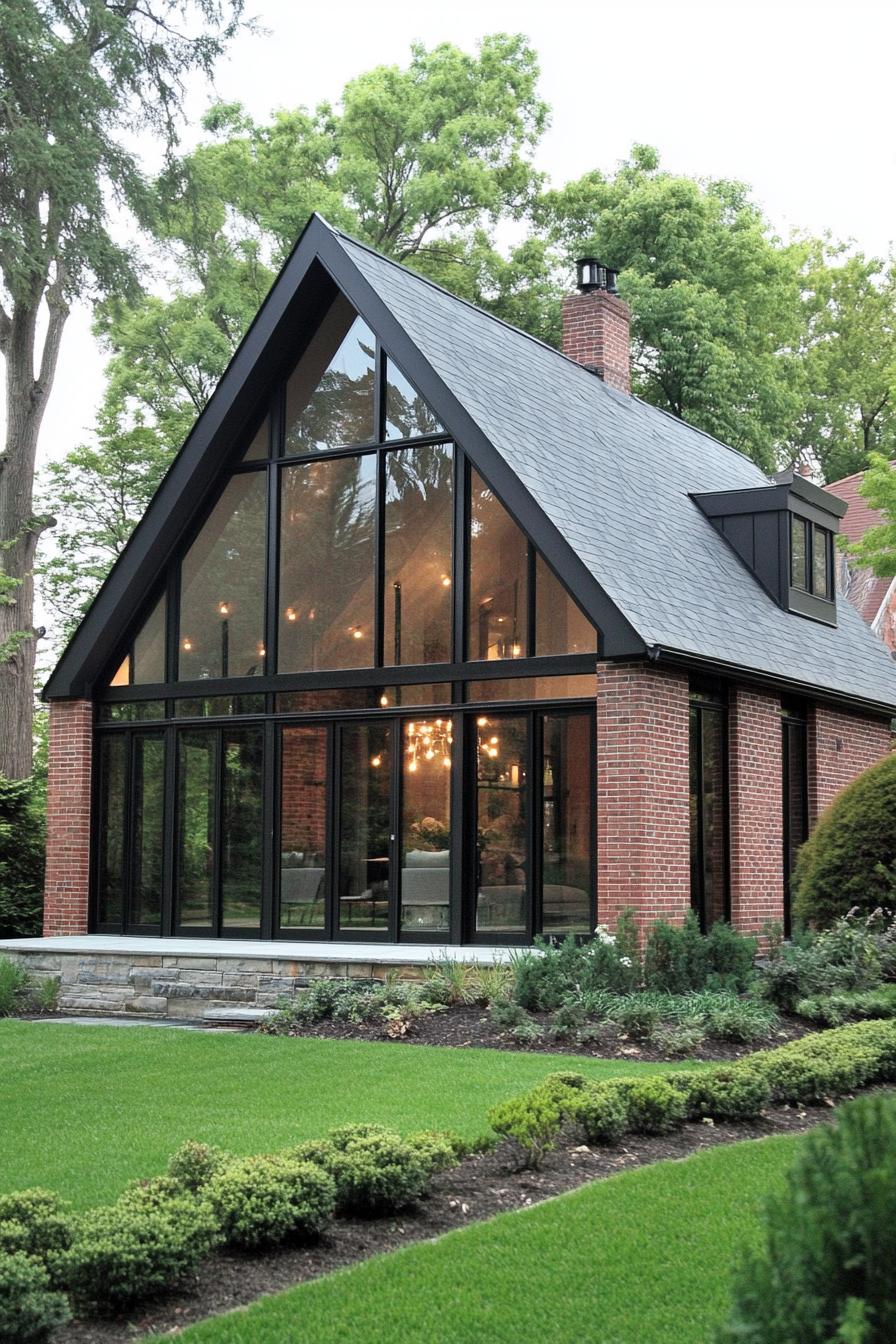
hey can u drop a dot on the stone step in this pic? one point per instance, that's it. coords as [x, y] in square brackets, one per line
[230, 1016]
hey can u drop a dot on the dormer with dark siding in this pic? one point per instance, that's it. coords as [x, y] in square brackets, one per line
[784, 533]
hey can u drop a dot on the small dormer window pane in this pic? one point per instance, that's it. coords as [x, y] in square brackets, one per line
[821, 569]
[799, 553]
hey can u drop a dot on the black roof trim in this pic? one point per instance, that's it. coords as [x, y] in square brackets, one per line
[317, 266]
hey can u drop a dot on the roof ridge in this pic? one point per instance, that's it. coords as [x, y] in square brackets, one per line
[536, 340]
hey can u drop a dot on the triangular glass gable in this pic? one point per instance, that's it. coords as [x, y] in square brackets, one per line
[407, 414]
[503, 567]
[144, 665]
[330, 393]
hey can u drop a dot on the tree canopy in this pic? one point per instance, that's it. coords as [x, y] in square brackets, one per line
[77, 77]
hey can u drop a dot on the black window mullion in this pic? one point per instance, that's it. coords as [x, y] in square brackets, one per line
[272, 571]
[396, 803]
[379, 560]
[169, 832]
[334, 875]
[127, 856]
[460, 808]
[379, 400]
[592, 828]
[530, 601]
[172, 624]
[459, 573]
[270, 775]
[535, 822]
[217, 808]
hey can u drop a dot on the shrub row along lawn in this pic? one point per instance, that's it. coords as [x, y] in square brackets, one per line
[87, 1109]
[642, 1258]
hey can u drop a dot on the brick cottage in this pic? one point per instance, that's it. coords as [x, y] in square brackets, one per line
[434, 636]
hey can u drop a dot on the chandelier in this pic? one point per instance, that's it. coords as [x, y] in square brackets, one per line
[429, 743]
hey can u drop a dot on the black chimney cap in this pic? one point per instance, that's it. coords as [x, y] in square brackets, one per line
[593, 274]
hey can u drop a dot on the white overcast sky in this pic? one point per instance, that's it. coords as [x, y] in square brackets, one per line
[795, 97]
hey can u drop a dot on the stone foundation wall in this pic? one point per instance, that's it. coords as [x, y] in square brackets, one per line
[182, 986]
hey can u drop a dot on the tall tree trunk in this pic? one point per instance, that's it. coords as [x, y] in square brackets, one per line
[26, 398]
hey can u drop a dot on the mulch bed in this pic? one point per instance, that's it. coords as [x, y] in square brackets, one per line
[479, 1188]
[462, 1026]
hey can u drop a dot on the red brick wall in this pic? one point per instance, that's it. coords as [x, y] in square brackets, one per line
[643, 791]
[756, 808]
[841, 746]
[596, 330]
[66, 887]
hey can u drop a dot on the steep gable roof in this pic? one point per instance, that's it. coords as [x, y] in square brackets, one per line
[601, 481]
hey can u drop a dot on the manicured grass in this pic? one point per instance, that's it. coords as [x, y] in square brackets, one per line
[86, 1109]
[642, 1258]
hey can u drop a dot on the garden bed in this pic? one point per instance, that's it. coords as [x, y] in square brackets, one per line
[477, 1189]
[462, 1025]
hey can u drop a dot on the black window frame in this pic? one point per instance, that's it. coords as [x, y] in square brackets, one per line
[794, 738]
[708, 697]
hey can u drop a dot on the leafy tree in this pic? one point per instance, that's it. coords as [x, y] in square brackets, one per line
[715, 298]
[76, 76]
[877, 549]
[421, 162]
[850, 362]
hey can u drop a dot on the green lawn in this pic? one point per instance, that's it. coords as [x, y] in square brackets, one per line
[86, 1109]
[642, 1258]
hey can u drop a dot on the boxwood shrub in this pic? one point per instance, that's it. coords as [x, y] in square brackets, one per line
[603, 1113]
[375, 1170]
[29, 1310]
[727, 1092]
[262, 1200]
[35, 1221]
[194, 1164]
[826, 1268]
[653, 1106]
[132, 1250]
[848, 859]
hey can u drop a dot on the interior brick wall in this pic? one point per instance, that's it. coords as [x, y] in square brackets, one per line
[596, 330]
[643, 794]
[756, 835]
[66, 886]
[841, 746]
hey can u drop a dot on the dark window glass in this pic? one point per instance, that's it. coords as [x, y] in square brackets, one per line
[329, 397]
[407, 414]
[148, 657]
[135, 711]
[112, 800]
[821, 569]
[303, 828]
[259, 448]
[709, 809]
[502, 845]
[327, 518]
[241, 832]
[566, 824]
[216, 706]
[426, 825]
[796, 798]
[419, 526]
[560, 625]
[532, 688]
[197, 771]
[799, 552]
[363, 882]
[362, 697]
[146, 828]
[222, 587]
[498, 592]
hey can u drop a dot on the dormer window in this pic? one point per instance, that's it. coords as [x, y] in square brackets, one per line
[811, 548]
[784, 534]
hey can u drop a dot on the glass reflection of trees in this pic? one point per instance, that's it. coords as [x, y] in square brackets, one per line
[329, 396]
[407, 414]
[419, 512]
[328, 512]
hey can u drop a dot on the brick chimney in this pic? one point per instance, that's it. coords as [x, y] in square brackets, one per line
[596, 325]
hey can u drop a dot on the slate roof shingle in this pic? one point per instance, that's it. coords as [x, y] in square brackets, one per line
[615, 475]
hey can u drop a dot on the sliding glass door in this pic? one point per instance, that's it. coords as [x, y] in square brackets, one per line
[131, 832]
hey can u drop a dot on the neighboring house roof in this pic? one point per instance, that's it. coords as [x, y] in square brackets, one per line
[601, 480]
[866, 591]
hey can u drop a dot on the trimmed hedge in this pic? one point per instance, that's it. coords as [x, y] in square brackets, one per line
[375, 1171]
[134, 1249]
[830, 1064]
[849, 858]
[29, 1310]
[258, 1201]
